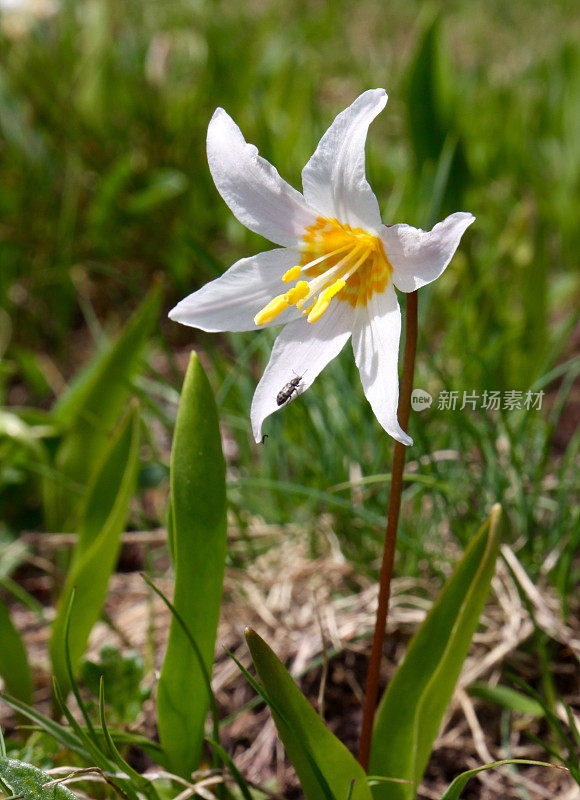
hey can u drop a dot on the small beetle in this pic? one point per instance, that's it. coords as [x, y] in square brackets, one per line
[287, 391]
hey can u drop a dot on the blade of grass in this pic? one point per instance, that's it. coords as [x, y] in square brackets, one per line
[60, 733]
[455, 788]
[96, 753]
[14, 666]
[142, 784]
[235, 772]
[69, 669]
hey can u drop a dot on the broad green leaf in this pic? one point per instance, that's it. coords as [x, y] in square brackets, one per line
[198, 537]
[103, 490]
[261, 691]
[20, 779]
[424, 102]
[96, 554]
[453, 791]
[434, 139]
[410, 713]
[14, 667]
[304, 734]
[88, 412]
[508, 698]
[204, 672]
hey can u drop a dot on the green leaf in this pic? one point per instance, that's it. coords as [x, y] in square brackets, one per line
[89, 411]
[163, 185]
[410, 713]
[431, 122]
[13, 662]
[96, 553]
[123, 673]
[260, 690]
[60, 733]
[508, 698]
[234, 771]
[96, 754]
[108, 477]
[198, 525]
[424, 101]
[21, 779]
[455, 788]
[139, 781]
[305, 736]
[205, 673]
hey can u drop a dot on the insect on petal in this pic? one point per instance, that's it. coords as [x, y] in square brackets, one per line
[301, 351]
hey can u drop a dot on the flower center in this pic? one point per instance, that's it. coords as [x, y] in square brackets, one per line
[337, 261]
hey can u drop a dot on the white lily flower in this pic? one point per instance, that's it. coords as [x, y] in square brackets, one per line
[333, 276]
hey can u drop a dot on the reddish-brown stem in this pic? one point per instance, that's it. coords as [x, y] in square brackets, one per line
[372, 687]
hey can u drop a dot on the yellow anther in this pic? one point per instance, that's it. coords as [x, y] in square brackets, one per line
[297, 293]
[319, 308]
[323, 301]
[271, 311]
[334, 288]
[292, 275]
[307, 310]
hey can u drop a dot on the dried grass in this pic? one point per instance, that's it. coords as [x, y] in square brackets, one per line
[309, 609]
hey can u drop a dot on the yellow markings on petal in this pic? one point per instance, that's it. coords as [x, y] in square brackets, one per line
[271, 311]
[337, 261]
[292, 274]
[297, 293]
[323, 302]
[365, 268]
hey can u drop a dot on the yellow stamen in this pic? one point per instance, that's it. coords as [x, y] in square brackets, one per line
[297, 293]
[271, 311]
[335, 260]
[293, 274]
[323, 301]
[346, 275]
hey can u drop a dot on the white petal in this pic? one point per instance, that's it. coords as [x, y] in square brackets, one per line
[418, 257]
[252, 187]
[230, 302]
[334, 179]
[375, 343]
[302, 350]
